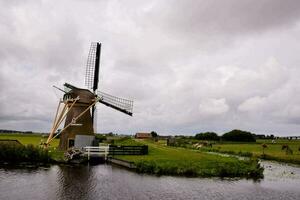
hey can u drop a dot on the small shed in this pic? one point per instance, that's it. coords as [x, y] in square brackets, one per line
[83, 141]
[143, 135]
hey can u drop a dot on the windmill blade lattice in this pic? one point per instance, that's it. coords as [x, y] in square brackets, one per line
[90, 66]
[120, 104]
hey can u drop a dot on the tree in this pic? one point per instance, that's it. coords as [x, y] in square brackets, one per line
[238, 136]
[154, 134]
[207, 136]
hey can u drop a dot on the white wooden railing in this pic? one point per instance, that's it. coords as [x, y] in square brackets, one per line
[101, 151]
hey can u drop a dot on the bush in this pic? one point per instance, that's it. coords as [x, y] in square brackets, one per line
[238, 136]
[207, 136]
[11, 153]
[100, 137]
[154, 134]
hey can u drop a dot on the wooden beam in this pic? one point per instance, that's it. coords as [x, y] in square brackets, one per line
[76, 118]
[62, 116]
[65, 113]
[54, 122]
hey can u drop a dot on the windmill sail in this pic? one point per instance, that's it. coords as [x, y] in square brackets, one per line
[92, 67]
[120, 104]
[92, 71]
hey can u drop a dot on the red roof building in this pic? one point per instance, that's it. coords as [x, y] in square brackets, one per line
[143, 135]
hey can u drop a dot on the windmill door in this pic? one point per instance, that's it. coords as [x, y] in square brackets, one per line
[71, 143]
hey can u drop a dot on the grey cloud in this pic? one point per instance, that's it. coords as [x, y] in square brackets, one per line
[231, 16]
[187, 64]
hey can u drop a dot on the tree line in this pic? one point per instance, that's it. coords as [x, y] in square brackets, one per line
[14, 131]
[234, 135]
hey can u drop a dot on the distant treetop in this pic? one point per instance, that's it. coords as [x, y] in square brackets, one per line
[153, 134]
[207, 136]
[239, 136]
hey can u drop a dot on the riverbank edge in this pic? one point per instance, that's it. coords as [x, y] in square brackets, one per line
[130, 165]
[224, 171]
[122, 163]
[32, 164]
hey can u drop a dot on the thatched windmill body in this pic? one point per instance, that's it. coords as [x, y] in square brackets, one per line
[78, 106]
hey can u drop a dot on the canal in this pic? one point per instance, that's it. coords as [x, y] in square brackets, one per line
[109, 182]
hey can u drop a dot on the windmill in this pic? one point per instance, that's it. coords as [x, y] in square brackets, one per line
[78, 106]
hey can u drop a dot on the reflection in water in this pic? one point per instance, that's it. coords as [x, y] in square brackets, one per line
[75, 178]
[109, 182]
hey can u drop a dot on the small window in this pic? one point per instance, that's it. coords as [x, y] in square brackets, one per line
[71, 143]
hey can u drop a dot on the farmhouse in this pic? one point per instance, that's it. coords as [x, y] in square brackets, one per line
[143, 135]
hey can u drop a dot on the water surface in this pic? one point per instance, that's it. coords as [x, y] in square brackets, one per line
[109, 182]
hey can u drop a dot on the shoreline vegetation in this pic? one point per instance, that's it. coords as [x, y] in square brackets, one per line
[184, 158]
[164, 160]
[24, 149]
[17, 153]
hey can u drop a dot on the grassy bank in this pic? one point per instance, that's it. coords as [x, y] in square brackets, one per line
[30, 151]
[11, 154]
[163, 160]
[273, 151]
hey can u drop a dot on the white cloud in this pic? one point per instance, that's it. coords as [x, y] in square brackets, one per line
[252, 104]
[212, 107]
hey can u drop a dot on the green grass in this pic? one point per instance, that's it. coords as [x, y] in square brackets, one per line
[16, 153]
[272, 152]
[57, 156]
[163, 160]
[35, 140]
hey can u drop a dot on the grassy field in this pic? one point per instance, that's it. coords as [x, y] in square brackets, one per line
[34, 139]
[273, 151]
[163, 160]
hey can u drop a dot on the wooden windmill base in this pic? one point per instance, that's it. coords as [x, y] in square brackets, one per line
[78, 121]
[82, 126]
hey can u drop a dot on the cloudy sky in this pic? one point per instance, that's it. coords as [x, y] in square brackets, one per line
[190, 66]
